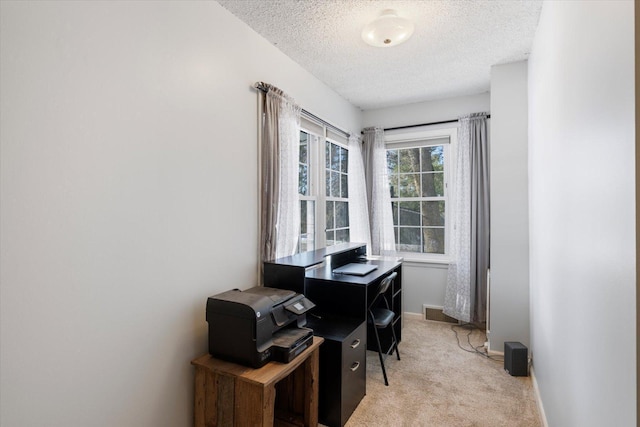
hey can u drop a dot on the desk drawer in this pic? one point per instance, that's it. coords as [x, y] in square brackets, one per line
[354, 370]
[354, 352]
[343, 368]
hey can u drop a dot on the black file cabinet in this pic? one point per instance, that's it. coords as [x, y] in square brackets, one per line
[343, 367]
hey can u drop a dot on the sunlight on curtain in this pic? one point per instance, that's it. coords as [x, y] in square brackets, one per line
[380, 213]
[358, 209]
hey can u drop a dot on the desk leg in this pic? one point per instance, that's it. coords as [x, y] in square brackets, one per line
[254, 404]
[311, 385]
[214, 400]
[199, 407]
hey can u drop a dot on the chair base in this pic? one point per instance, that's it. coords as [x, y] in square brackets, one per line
[383, 356]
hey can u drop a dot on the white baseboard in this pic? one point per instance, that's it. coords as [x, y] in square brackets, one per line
[408, 315]
[495, 353]
[536, 390]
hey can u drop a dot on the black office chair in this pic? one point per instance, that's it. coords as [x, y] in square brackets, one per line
[381, 318]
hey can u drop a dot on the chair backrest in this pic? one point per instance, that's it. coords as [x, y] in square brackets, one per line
[384, 285]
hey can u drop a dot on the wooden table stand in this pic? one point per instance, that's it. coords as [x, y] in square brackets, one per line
[280, 394]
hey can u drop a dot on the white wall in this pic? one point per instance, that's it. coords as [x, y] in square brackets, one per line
[128, 195]
[425, 283]
[426, 112]
[582, 213]
[509, 288]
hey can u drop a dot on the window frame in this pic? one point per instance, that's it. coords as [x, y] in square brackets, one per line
[316, 179]
[312, 182]
[334, 199]
[401, 139]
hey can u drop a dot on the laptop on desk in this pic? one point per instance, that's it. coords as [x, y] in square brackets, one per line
[355, 269]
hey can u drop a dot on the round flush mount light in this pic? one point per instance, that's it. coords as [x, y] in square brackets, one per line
[387, 30]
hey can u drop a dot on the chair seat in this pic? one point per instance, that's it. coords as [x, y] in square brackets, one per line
[382, 317]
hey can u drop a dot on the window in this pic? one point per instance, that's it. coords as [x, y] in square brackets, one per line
[337, 194]
[307, 239]
[324, 209]
[419, 168]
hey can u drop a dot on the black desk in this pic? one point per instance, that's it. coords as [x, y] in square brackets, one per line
[339, 317]
[290, 272]
[311, 273]
[349, 296]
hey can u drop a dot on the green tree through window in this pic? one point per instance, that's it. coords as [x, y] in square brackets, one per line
[418, 198]
[324, 206]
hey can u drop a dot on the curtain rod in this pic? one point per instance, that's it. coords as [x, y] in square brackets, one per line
[426, 124]
[261, 87]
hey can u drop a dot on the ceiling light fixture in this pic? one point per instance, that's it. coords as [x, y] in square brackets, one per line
[387, 30]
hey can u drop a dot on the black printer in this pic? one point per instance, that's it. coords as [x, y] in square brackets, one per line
[260, 324]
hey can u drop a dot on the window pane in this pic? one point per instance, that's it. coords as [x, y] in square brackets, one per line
[303, 148]
[342, 235]
[330, 223]
[327, 179]
[335, 157]
[433, 184]
[410, 213]
[327, 155]
[392, 161]
[433, 240]
[432, 158]
[307, 226]
[410, 239]
[329, 220]
[303, 177]
[409, 185]
[342, 214]
[433, 213]
[393, 185]
[303, 216]
[410, 160]
[335, 184]
[394, 207]
[331, 237]
[344, 160]
[344, 186]
[302, 244]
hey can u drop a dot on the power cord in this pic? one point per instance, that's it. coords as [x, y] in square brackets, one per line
[471, 327]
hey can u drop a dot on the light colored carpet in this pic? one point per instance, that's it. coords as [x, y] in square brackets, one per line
[438, 384]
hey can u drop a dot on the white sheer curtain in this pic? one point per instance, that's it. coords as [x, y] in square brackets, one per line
[358, 209]
[288, 225]
[457, 301]
[465, 294]
[380, 213]
[280, 147]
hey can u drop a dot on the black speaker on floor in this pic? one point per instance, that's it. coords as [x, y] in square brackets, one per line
[516, 359]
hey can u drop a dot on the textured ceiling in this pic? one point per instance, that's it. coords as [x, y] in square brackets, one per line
[451, 52]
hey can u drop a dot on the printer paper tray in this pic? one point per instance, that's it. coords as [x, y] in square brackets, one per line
[290, 342]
